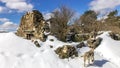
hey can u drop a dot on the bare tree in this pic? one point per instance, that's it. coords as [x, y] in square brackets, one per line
[59, 21]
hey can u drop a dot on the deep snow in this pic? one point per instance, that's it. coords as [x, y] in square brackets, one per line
[110, 49]
[16, 52]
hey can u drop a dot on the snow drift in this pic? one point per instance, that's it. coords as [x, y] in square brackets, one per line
[16, 52]
[110, 49]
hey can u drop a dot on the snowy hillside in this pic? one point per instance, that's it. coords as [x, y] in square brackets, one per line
[16, 52]
[110, 49]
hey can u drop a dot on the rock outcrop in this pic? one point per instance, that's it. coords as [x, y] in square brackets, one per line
[66, 51]
[94, 43]
[31, 25]
[114, 36]
[80, 45]
[81, 37]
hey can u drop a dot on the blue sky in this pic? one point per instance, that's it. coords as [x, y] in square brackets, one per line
[50, 5]
[12, 10]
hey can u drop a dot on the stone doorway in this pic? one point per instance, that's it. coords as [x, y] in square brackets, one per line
[29, 36]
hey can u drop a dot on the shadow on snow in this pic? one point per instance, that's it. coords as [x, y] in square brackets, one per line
[99, 63]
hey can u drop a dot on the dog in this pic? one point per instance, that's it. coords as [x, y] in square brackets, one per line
[88, 56]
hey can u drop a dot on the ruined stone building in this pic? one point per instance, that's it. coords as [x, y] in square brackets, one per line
[31, 25]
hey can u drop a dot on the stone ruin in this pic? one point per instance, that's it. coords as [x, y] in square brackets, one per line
[32, 25]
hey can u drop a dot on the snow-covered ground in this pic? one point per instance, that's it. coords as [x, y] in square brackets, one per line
[16, 52]
[110, 49]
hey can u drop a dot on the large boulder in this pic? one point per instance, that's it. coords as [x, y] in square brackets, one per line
[94, 43]
[81, 37]
[66, 51]
[114, 36]
[31, 25]
[97, 42]
[37, 44]
[80, 45]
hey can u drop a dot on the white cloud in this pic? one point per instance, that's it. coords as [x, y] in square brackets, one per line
[4, 20]
[47, 15]
[7, 25]
[19, 5]
[104, 6]
[11, 0]
[2, 9]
